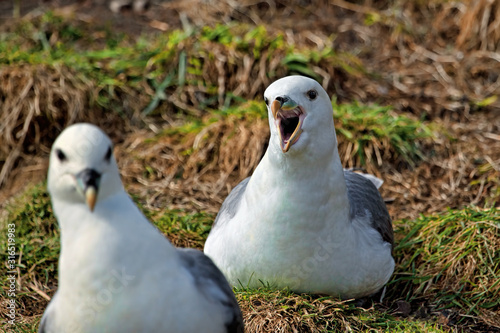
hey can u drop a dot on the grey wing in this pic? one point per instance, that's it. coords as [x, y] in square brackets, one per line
[376, 181]
[363, 196]
[231, 204]
[212, 283]
[48, 316]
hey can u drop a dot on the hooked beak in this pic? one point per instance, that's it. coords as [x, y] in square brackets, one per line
[288, 118]
[88, 181]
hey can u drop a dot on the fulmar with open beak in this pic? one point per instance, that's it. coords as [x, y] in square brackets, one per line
[301, 221]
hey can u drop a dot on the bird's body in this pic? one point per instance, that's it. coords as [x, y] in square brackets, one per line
[118, 273]
[301, 221]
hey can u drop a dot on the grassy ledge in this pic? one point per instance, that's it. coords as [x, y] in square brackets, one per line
[48, 61]
[447, 261]
[178, 62]
[200, 76]
[368, 135]
[374, 134]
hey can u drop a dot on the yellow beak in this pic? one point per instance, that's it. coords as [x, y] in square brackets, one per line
[91, 197]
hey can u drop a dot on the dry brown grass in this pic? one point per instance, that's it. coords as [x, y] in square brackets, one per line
[281, 311]
[408, 44]
[196, 168]
[36, 101]
[459, 173]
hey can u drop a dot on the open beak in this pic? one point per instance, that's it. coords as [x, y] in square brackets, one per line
[88, 181]
[288, 118]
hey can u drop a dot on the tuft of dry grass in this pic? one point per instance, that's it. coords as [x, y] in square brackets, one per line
[36, 100]
[283, 311]
[194, 163]
[458, 172]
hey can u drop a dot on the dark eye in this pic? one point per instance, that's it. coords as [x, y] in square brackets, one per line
[108, 154]
[312, 94]
[60, 155]
[266, 100]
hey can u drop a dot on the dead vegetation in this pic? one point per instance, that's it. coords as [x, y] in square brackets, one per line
[195, 167]
[432, 56]
[38, 101]
[282, 311]
[34, 101]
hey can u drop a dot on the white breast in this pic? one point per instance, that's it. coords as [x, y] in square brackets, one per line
[299, 236]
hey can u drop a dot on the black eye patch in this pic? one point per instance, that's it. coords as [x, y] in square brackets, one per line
[60, 155]
[108, 154]
[266, 100]
[312, 94]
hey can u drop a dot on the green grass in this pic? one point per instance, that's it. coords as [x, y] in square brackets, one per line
[434, 255]
[182, 228]
[380, 127]
[453, 257]
[52, 39]
[31, 327]
[37, 236]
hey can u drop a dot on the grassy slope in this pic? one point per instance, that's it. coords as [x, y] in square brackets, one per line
[434, 254]
[173, 75]
[445, 260]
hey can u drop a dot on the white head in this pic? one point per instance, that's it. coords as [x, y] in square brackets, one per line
[300, 117]
[82, 166]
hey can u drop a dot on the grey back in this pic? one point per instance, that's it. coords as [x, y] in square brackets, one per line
[211, 282]
[231, 203]
[364, 196]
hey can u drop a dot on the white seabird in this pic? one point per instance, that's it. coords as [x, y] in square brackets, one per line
[117, 272]
[301, 221]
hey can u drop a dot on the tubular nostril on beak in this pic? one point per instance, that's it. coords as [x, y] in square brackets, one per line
[282, 99]
[88, 182]
[89, 177]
